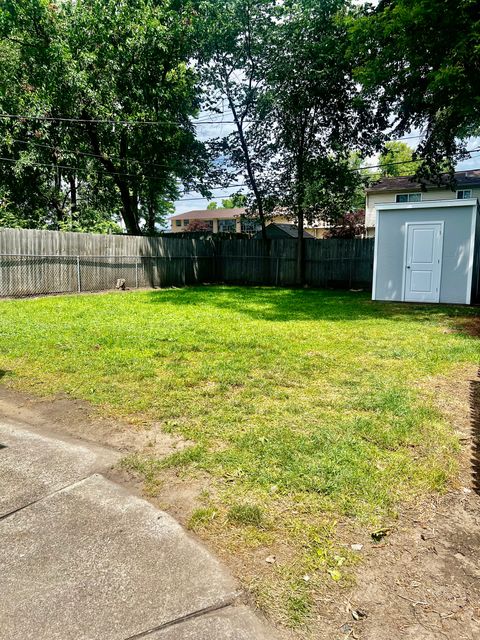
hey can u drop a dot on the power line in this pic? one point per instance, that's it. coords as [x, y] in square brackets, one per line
[196, 121]
[85, 153]
[388, 164]
[109, 173]
[227, 195]
[80, 170]
[12, 116]
[129, 175]
[153, 164]
[94, 155]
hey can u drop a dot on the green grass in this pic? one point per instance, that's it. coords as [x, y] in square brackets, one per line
[304, 406]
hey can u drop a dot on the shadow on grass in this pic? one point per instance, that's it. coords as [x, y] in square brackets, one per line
[475, 425]
[262, 303]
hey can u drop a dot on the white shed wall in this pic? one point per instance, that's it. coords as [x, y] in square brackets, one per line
[456, 281]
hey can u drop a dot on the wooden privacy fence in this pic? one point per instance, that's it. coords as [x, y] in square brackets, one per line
[36, 262]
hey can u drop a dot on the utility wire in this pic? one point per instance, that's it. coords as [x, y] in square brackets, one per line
[136, 122]
[12, 116]
[129, 175]
[110, 173]
[85, 153]
[388, 164]
[152, 164]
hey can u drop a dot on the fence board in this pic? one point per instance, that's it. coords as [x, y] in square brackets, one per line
[34, 262]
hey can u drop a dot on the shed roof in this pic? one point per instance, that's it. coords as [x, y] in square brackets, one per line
[470, 178]
[290, 230]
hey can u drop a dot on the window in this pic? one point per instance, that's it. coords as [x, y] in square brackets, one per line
[226, 226]
[249, 225]
[463, 194]
[408, 197]
[186, 223]
[178, 223]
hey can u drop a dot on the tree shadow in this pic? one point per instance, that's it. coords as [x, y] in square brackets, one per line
[3, 373]
[286, 305]
[475, 426]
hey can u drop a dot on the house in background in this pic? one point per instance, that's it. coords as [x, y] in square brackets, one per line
[235, 221]
[403, 190]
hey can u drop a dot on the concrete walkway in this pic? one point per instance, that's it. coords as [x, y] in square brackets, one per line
[83, 559]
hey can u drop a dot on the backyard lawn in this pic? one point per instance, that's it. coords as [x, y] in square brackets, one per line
[310, 411]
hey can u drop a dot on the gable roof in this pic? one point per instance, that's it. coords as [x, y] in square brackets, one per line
[469, 178]
[209, 214]
[290, 230]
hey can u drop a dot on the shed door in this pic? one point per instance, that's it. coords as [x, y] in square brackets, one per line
[423, 261]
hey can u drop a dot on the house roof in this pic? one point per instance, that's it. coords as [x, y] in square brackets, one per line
[469, 178]
[209, 214]
[290, 229]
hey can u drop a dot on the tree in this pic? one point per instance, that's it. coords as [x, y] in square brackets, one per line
[120, 71]
[311, 113]
[235, 36]
[234, 201]
[420, 60]
[198, 225]
[397, 159]
[351, 225]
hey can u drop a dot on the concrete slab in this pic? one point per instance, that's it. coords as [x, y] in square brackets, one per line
[33, 466]
[232, 623]
[93, 562]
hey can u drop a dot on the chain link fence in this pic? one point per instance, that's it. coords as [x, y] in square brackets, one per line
[328, 263]
[29, 275]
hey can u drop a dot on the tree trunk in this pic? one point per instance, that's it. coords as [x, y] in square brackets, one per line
[73, 195]
[248, 163]
[129, 209]
[300, 275]
[150, 222]
[129, 213]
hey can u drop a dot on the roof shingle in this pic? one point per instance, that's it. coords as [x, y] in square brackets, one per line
[469, 178]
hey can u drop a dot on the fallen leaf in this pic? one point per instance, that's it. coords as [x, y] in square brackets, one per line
[335, 574]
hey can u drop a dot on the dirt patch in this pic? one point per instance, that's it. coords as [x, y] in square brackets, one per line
[422, 582]
[471, 326]
[67, 417]
[76, 418]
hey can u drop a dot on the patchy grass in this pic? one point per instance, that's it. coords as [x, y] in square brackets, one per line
[307, 408]
[245, 514]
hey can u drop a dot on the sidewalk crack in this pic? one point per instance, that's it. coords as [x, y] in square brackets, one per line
[45, 497]
[186, 618]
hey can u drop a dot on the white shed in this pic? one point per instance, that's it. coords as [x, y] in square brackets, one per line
[427, 252]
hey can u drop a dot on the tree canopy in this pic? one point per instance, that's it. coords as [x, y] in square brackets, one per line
[397, 159]
[106, 94]
[99, 98]
[420, 60]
